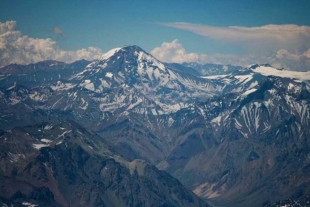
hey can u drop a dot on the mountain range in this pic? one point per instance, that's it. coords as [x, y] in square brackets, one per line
[91, 133]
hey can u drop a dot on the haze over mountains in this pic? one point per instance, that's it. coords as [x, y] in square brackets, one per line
[234, 136]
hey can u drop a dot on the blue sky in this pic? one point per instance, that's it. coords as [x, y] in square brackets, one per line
[74, 25]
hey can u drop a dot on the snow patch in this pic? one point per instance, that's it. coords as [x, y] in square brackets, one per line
[60, 142]
[109, 75]
[29, 204]
[88, 85]
[39, 146]
[110, 53]
[62, 86]
[14, 101]
[84, 104]
[11, 87]
[217, 120]
[249, 92]
[267, 71]
[214, 76]
[37, 97]
[46, 140]
[244, 78]
[48, 127]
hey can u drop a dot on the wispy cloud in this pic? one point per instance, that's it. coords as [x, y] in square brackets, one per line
[287, 36]
[18, 48]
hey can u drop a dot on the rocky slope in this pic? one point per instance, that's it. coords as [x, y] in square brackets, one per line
[62, 164]
[235, 136]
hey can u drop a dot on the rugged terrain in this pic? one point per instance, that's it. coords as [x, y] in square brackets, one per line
[62, 164]
[235, 136]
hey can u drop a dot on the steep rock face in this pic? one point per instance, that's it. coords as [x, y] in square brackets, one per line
[238, 136]
[73, 167]
[261, 142]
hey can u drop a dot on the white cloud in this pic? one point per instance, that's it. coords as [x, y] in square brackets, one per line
[284, 54]
[21, 49]
[296, 61]
[175, 52]
[287, 36]
[280, 45]
[8, 26]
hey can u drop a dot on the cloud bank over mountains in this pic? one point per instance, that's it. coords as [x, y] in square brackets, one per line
[18, 48]
[286, 46]
[283, 46]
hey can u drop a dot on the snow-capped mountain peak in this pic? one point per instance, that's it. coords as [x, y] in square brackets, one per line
[133, 66]
[110, 53]
[149, 79]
